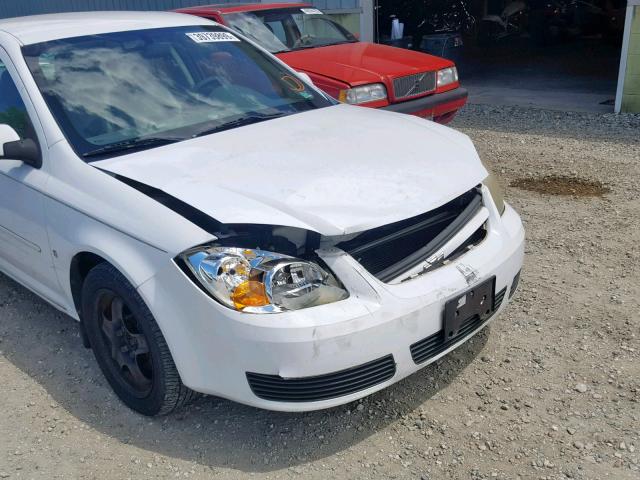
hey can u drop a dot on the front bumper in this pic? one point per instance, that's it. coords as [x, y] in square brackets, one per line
[437, 106]
[214, 347]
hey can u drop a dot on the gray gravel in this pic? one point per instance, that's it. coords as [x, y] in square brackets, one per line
[549, 391]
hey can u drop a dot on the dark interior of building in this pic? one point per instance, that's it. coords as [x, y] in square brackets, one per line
[552, 53]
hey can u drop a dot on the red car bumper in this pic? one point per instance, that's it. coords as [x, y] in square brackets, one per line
[441, 107]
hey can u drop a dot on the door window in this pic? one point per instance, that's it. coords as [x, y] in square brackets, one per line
[283, 29]
[12, 109]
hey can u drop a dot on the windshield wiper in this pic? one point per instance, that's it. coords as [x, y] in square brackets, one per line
[320, 45]
[131, 144]
[305, 47]
[239, 122]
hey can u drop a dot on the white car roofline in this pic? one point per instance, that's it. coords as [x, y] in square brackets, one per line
[43, 28]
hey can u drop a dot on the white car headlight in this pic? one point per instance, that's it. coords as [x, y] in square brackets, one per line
[363, 94]
[447, 76]
[256, 281]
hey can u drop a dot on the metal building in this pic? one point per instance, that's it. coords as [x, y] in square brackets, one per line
[346, 12]
[628, 96]
[32, 7]
[357, 16]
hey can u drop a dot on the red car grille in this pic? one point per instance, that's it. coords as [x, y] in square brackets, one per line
[412, 85]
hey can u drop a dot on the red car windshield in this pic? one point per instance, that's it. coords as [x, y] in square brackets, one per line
[286, 29]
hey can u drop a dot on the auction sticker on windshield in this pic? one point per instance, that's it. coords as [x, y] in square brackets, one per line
[208, 37]
[311, 11]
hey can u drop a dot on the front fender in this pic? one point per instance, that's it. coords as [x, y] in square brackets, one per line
[71, 233]
[89, 210]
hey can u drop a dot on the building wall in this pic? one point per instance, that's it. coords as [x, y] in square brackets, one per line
[336, 4]
[350, 21]
[345, 12]
[17, 8]
[631, 90]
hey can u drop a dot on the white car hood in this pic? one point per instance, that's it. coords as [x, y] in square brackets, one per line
[336, 170]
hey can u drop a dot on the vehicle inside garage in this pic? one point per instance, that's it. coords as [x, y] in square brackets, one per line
[557, 54]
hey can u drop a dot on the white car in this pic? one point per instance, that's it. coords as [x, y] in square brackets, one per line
[219, 225]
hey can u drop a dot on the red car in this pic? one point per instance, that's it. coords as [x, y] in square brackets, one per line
[362, 73]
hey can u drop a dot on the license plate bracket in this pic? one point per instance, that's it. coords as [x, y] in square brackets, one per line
[475, 303]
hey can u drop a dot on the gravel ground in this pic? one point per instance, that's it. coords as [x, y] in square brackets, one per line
[550, 391]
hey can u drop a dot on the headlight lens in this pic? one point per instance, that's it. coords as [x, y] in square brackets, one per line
[363, 94]
[447, 76]
[496, 192]
[256, 281]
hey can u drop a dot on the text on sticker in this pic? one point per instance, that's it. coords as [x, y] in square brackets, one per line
[208, 37]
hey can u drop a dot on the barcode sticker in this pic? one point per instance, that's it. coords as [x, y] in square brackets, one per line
[208, 37]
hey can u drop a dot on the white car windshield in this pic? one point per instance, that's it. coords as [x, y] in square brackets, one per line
[116, 92]
[286, 29]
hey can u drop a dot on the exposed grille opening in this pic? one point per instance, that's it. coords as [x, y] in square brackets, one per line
[474, 239]
[435, 344]
[322, 387]
[412, 85]
[391, 250]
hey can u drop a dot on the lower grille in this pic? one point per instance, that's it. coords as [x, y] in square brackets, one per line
[498, 298]
[322, 387]
[435, 344]
[413, 85]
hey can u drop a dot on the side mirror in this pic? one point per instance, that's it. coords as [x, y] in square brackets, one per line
[12, 148]
[305, 77]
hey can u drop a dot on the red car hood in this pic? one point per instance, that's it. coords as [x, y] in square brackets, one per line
[362, 62]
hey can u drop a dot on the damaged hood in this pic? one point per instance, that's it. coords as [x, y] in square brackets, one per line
[335, 170]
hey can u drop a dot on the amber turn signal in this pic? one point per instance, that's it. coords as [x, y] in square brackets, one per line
[249, 294]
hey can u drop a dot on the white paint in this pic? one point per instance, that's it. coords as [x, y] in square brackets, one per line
[7, 134]
[377, 320]
[334, 170]
[309, 171]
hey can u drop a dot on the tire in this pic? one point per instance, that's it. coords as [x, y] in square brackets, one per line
[129, 346]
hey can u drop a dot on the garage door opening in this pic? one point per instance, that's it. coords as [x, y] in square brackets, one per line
[554, 54]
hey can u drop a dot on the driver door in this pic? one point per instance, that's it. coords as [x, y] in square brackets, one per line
[24, 245]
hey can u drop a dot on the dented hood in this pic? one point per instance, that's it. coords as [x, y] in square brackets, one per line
[335, 170]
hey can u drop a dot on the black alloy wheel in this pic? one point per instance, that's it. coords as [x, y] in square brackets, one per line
[129, 345]
[126, 342]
